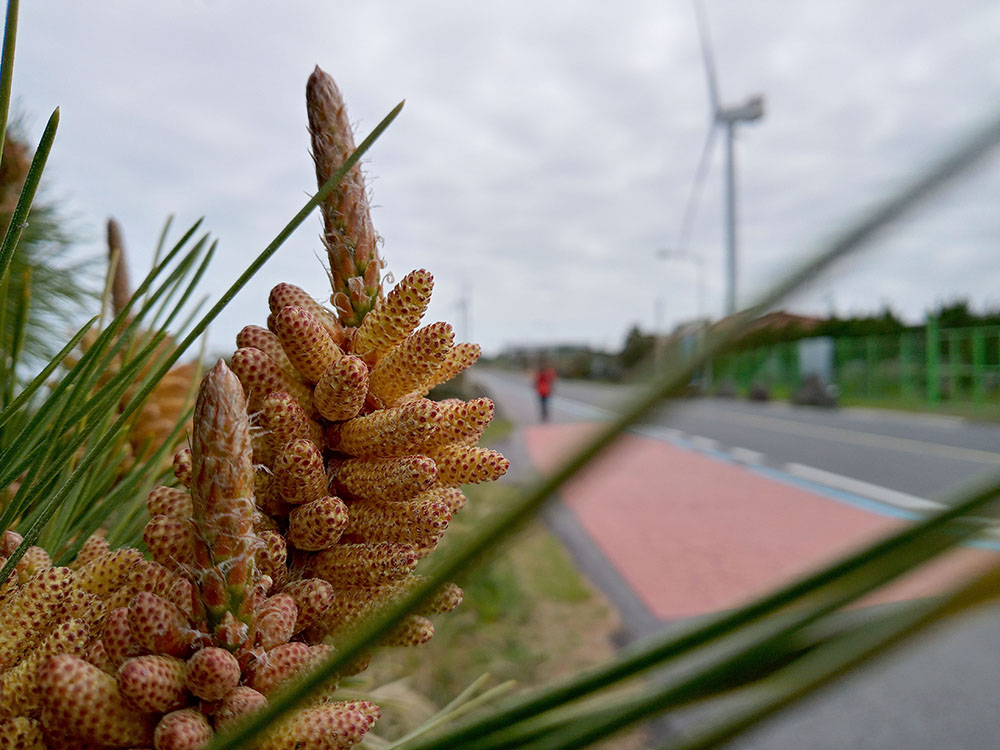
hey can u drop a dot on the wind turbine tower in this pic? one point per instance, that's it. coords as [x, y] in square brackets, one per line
[726, 117]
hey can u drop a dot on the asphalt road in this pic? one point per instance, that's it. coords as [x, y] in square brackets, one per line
[922, 456]
[938, 692]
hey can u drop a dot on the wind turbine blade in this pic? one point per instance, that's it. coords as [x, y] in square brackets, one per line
[706, 55]
[697, 185]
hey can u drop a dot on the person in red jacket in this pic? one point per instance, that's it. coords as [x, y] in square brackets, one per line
[544, 380]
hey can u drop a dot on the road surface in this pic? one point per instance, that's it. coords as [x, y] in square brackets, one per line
[711, 502]
[920, 455]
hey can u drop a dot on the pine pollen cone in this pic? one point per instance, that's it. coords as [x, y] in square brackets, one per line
[320, 470]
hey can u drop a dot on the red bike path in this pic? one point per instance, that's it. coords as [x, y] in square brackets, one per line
[693, 534]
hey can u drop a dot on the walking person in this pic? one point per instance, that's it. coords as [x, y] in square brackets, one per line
[544, 380]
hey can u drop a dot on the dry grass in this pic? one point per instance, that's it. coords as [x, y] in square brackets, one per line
[528, 616]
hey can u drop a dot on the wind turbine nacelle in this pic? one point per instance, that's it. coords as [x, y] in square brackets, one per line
[752, 109]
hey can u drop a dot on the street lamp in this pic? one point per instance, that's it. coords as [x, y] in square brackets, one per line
[667, 253]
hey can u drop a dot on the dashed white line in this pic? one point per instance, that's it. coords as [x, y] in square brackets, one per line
[865, 489]
[935, 420]
[658, 432]
[580, 409]
[704, 443]
[746, 456]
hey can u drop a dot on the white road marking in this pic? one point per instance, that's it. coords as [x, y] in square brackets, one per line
[871, 439]
[941, 421]
[580, 408]
[658, 432]
[864, 489]
[704, 443]
[746, 456]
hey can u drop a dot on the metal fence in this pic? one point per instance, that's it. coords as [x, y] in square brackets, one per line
[929, 365]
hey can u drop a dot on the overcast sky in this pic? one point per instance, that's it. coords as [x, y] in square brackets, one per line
[545, 152]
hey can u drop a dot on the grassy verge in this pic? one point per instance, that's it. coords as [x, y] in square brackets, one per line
[985, 412]
[527, 616]
[498, 431]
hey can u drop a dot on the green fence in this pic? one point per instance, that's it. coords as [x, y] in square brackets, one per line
[928, 365]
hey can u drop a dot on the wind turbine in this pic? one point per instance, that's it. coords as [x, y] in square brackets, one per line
[726, 118]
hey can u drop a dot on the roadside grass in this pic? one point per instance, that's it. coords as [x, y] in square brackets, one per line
[527, 616]
[982, 412]
[498, 431]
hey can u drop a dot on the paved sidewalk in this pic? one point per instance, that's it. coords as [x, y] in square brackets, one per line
[692, 534]
[670, 530]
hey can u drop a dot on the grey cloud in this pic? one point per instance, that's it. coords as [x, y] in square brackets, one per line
[546, 149]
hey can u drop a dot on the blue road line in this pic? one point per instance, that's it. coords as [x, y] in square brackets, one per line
[668, 435]
[849, 498]
[842, 496]
[861, 502]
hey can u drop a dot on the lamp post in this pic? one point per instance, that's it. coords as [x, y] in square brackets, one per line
[673, 253]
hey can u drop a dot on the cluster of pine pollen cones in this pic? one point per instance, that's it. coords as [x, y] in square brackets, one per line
[158, 417]
[118, 651]
[358, 473]
[281, 538]
[172, 396]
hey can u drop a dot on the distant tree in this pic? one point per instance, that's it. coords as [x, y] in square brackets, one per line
[886, 322]
[957, 314]
[638, 346]
[767, 335]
